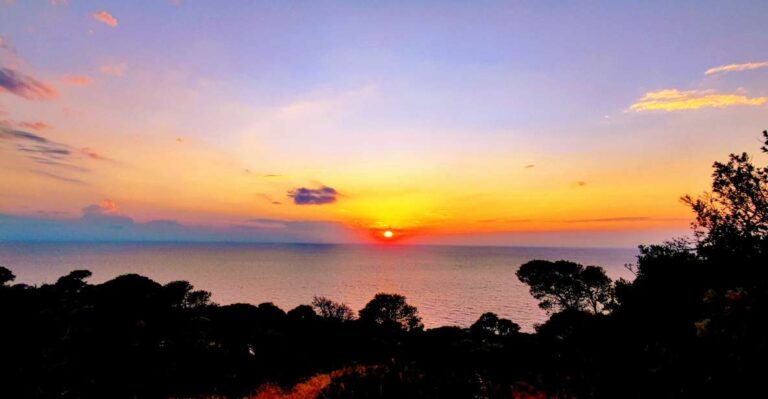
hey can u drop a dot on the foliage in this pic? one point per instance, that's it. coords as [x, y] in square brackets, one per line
[489, 324]
[733, 217]
[332, 310]
[6, 276]
[564, 285]
[391, 310]
[691, 324]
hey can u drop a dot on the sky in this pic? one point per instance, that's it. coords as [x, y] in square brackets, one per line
[476, 123]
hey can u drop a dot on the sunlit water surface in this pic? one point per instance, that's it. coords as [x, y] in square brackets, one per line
[449, 285]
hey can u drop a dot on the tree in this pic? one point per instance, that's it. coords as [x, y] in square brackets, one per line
[391, 310]
[302, 312]
[598, 289]
[6, 276]
[74, 281]
[733, 218]
[490, 324]
[332, 310]
[564, 285]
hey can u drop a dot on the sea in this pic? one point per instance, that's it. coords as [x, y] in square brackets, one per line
[450, 285]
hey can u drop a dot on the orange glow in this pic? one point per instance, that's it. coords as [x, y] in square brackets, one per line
[388, 234]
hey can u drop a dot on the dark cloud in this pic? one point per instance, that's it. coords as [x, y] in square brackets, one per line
[105, 213]
[36, 147]
[25, 86]
[19, 135]
[266, 223]
[529, 166]
[51, 154]
[580, 183]
[269, 199]
[310, 196]
[102, 222]
[58, 177]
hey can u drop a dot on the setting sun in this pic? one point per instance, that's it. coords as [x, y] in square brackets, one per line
[388, 234]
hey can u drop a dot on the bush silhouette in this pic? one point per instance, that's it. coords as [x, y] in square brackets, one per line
[391, 310]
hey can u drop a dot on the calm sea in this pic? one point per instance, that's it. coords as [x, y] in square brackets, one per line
[449, 285]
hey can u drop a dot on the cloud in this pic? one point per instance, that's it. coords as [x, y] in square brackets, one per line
[77, 80]
[269, 199]
[105, 207]
[529, 166]
[580, 183]
[58, 177]
[93, 155]
[36, 147]
[105, 214]
[736, 67]
[267, 223]
[50, 153]
[35, 125]
[113, 69]
[97, 224]
[309, 196]
[105, 18]
[25, 86]
[676, 100]
[6, 45]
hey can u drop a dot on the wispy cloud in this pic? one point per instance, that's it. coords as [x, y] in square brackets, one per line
[35, 125]
[736, 67]
[530, 166]
[36, 147]
[58, 177]
[310, 196]
[77, 80]
[48, 152]
[25, 86]
[676, 100]
[269, 199]
[114, 69]
[6, 45]
[105, 18]
[92, 154]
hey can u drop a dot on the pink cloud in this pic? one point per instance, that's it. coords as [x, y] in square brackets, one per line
[105, 18]
[25, 86]
[113, 70]
[77, 80]
[35, 125]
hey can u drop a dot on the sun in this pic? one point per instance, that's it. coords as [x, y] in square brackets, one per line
[388, 234]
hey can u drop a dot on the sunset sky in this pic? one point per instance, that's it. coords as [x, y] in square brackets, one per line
[495, 123]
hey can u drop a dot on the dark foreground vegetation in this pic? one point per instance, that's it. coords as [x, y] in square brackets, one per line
[691, 324]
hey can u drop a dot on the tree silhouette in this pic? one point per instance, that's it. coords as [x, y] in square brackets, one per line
[391, 310]
[598, 289]
[332, 310]
[6, 276]
[734, 215]
[565, 285]
[74, 281]
[489, 324]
